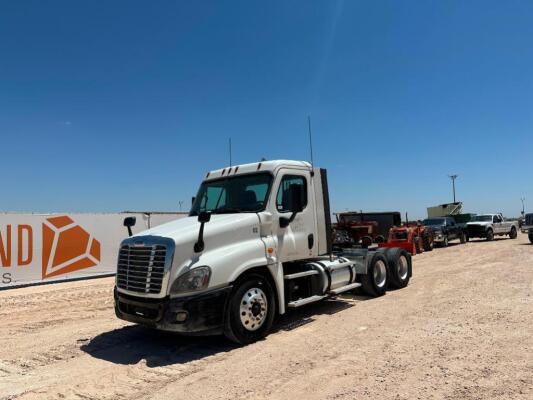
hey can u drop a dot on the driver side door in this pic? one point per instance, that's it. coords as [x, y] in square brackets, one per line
[298, 240]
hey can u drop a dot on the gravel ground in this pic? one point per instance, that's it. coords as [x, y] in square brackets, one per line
[462, 329]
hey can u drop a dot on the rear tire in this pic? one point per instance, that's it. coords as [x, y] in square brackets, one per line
[490, 235]
[250, 311]
[366, 242]
[427, 241]
[400, 268]
[376, 280]
[379, 239]
[418, 245]
[513, 234]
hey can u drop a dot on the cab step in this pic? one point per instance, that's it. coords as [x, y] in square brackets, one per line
[303, 302]
[343, 289]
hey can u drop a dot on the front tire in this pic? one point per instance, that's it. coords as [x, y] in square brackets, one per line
[251, 310]
[376, 280]
[513, 234]
[531, 237]
[462, 238]
[490, 235]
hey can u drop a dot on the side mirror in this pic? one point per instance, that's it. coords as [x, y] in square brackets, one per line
[296, 204]
[129, 222]
[204, 217]
[296, 198]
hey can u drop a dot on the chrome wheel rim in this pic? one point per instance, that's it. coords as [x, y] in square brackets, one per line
[253, 309]
[403, 267]
[380, 273]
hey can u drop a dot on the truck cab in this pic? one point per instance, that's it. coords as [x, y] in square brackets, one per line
[257, 242]
[445, 229]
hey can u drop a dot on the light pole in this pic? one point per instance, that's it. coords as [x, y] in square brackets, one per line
[453, 178]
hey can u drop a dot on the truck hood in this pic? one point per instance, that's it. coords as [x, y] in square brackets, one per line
[479, 223]
[224, 235]
[435, 227]
[185, 230]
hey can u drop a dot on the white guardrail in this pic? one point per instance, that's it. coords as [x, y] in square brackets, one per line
[42, 248]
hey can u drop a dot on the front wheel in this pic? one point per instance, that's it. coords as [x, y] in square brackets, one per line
[531, 238]
[375, 281]
[490, 235]
[250, 311]
[513, 234]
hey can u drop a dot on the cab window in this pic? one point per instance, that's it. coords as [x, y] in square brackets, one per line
[282, 199]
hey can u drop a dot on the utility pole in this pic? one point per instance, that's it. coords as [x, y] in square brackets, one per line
[180, 203]
[453, 178]
[523, 208]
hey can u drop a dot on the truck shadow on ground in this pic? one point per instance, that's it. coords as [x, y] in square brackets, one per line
[133, 344]
[482, 240]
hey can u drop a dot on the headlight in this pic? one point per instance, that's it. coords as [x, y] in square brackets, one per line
[192, 281]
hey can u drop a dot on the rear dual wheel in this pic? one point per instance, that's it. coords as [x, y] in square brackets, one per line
[376, 279]
[490, 235]
[400, 268]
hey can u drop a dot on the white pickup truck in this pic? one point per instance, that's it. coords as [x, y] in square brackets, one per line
[489, 225]
[257, 242]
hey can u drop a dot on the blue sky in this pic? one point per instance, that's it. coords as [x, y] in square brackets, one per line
[115, 105]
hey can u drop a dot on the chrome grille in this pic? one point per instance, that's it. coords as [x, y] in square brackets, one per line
[141, 268]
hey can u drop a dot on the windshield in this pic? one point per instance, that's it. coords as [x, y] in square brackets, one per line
[245, 193]
[482, 218]
[433, 221]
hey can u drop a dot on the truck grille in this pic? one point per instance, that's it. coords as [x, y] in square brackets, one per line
[476, 230]
[141, 268]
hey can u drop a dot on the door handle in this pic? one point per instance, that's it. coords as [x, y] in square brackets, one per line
[310, 241]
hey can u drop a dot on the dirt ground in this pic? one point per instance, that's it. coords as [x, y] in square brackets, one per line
[462, 329]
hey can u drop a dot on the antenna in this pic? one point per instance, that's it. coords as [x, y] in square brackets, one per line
[310, 140]
[230, 164]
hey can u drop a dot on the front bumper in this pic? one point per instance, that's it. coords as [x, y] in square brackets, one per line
[204, 312]
[527, 229]
[477, 231]
[438, 237]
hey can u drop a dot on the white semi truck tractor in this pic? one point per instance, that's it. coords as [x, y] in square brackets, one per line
[256, 243]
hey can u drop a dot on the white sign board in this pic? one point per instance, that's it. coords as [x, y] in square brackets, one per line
[37, 248]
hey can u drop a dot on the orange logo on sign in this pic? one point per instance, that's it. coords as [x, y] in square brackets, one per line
[67, 247]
